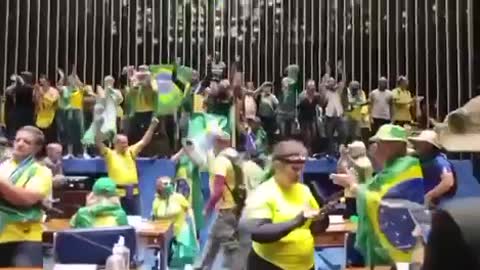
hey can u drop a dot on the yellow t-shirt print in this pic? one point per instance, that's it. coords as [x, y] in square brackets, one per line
[269, 201]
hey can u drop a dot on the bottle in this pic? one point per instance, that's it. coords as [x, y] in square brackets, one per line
[115, 262]
[121, 250]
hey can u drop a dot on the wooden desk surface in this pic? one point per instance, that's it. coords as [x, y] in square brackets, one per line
[335, 235]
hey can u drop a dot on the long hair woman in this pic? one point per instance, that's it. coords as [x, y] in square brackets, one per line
[24, 184]
[282, 214]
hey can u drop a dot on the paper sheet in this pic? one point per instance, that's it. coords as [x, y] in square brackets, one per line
[336, 219]
[75, 267]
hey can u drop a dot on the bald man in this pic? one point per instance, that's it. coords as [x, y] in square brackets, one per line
[121, 165]
[381, 101]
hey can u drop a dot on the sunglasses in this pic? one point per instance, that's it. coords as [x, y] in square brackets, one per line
[292, 160]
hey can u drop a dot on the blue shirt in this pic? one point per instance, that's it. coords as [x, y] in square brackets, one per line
[433, 168]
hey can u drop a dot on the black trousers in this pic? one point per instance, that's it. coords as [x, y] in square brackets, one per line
[21, 254]
[255, 262]
[377, 123]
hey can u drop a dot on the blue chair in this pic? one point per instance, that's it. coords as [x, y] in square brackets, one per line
[92, 246]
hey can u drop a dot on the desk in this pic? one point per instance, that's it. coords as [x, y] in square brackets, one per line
[335, 235]
[151, 234]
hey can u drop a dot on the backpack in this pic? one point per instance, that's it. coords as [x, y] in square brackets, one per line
[239, 191]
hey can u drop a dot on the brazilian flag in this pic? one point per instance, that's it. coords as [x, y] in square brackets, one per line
[384, 234]
[171, 90]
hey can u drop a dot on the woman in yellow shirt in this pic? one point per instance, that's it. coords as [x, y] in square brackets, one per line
[282, 215]
[24, 184]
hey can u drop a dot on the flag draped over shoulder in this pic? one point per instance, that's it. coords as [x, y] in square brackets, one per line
[384, 234]
[170, 93]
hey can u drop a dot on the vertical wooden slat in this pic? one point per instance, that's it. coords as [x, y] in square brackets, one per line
[353, 41]
[102, 49]
[153, 23]
[251, 2]
[110, 30]
[312, 38]
[191, 32]
[297, 33]
[397, 37]
[379, 38]
[344, 42]
[75, 43]
[67, 37]
[27, 37]
[15, 63]
[47, 52]
[198, 37]
[470, 47]
[129, 30]
[437, 57]
[236, 39]
[144, 35]
[37, 44]
[120, 37]
[304, 43]
[427, 52]
[85, 35]
[407, 45]
[259, 37]
[417, 45]
[289, 33]
[229, 36]
[447, 49]
[266, 65]
[370, 41]
[184, 33]
[388, 43]
[362, 31]
[94, 41]
[282, 30]
[175, 35]
[57, 32]
[5, 48]
[337, 38]
[459, 60]
[321, 31]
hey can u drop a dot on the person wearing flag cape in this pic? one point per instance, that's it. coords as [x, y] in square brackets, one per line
[24, 184]
[384, 234]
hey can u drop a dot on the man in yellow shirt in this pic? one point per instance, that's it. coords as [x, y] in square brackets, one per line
[46, 98]
[121, 163]
[402, 102]
[223, 182]
[24, 184]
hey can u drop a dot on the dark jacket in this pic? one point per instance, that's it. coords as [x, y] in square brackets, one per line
[454, 241]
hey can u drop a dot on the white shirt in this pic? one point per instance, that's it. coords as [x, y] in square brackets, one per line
[334, 106]
[381, 104]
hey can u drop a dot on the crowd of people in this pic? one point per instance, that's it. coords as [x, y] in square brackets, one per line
[265, 218]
